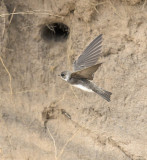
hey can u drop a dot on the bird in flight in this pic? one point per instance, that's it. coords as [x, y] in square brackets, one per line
[85, 67]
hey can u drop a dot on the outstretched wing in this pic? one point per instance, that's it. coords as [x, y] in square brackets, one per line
[90, 55]
[86, 73]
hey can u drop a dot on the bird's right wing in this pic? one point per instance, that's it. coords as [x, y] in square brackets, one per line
[90, 55]
[86, 73]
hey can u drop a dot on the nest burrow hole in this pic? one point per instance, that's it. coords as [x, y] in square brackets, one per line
[58, 32]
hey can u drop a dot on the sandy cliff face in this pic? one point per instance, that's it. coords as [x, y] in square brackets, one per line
[41, 116]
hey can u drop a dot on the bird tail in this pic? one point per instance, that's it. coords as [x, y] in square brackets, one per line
[105, 94]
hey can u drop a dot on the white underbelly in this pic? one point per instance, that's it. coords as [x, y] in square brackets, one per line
[83, 88]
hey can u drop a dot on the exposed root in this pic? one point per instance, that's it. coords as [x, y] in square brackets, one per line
[55, 148]
[3, 32]
[12, 15]
[144, 4]
[129, 155]
[74, 93]
[69, 140]
[114, 9]
[44, 12]
[60, 100]
[10, 77]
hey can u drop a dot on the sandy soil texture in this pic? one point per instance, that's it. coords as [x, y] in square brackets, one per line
[41, 116]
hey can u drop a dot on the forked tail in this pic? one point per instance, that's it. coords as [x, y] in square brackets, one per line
[105, 94]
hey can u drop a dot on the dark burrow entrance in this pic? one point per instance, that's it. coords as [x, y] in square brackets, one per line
[58, 32]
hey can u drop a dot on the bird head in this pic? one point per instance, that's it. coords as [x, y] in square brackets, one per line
[65, 75]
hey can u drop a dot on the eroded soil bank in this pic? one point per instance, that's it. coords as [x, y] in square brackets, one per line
[41, 116]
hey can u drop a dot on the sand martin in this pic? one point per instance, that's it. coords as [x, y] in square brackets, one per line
[85, 67]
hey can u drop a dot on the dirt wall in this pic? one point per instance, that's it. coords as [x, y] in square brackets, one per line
[41, 116]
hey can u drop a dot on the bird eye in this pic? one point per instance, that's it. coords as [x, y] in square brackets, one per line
[62, 74]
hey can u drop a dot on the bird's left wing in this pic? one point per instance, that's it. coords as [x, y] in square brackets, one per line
[90, 55]
[86, 73]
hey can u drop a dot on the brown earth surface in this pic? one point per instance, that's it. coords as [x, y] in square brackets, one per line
[41, 116]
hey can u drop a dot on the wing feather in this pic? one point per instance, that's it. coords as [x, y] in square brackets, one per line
[90, 55]
[96, 41]
[86, 73]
